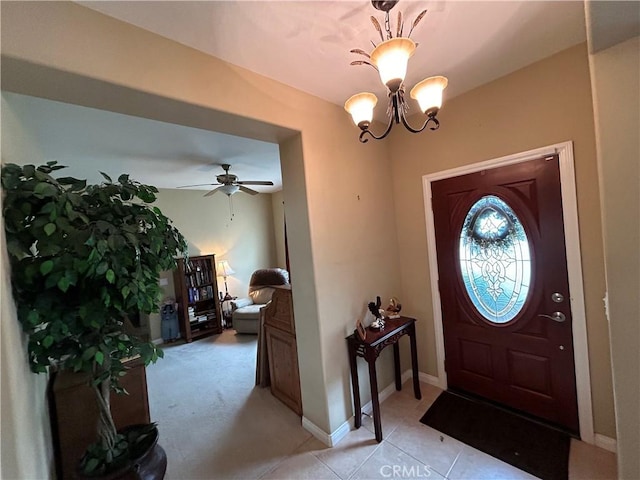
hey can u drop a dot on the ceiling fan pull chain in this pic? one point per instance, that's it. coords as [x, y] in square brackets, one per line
[231, 214]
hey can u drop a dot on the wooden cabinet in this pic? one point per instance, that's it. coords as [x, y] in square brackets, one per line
[73, 411]
[197, 296]
[282, 350]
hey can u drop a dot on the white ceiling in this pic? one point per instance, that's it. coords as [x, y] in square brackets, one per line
[304, 44]
[165, 155]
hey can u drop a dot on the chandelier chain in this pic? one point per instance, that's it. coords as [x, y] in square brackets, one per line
[387, 25]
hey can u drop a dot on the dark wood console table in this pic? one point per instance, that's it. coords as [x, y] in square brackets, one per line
[369, 349]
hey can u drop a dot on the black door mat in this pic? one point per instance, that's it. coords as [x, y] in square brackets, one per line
[528, 445]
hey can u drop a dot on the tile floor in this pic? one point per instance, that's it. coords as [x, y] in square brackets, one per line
[413, 450]
[215, 424]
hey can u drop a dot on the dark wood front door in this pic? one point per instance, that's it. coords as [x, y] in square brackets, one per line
[504, 288]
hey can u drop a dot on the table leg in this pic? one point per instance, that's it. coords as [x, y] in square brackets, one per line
[396, 364]
[373, 380]
[357, 408]
[414, 362]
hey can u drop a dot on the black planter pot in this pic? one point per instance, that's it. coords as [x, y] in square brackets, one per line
[149, 465]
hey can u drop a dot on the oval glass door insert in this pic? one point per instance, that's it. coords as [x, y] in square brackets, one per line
[495, 260]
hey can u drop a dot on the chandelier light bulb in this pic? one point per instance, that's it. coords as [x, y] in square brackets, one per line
[361, 106]
[391, 58]
[428, 93]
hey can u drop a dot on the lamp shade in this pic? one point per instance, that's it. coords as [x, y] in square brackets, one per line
[360, 106]
[391, 58]
[224, 270]
[428, 93]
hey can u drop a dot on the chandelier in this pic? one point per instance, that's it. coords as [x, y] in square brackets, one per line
[390, 59]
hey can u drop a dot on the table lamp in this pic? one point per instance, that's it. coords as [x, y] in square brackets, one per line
[224, 270]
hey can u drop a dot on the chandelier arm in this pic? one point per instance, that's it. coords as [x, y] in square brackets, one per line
[431, 121]
[396, 107]
[367, 131]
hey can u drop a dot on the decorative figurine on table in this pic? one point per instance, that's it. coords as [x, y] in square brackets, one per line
[393, 310]
[374, 308]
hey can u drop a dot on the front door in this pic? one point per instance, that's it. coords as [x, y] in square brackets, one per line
[504, 288]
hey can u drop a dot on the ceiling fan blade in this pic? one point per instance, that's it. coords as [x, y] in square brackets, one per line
[248, 190]
[208, 194]
[254, 182]
[199, 185]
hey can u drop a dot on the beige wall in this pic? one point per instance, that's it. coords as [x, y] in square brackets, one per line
[24, 428]
[278, 229]
[339, 256]
[545, 103]
[26, 446]
[616, 92]
[247, 242]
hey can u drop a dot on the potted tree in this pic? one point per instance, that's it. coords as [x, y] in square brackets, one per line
[82, 257]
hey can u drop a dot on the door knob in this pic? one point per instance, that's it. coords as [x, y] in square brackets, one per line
[555, 316]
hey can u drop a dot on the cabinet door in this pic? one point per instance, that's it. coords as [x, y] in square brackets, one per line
[283, 367]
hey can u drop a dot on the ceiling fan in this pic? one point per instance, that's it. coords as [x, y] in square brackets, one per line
[229, 183]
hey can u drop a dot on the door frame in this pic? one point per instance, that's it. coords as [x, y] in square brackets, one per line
[564, 151]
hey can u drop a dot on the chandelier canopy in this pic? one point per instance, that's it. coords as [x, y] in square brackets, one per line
[390, 59]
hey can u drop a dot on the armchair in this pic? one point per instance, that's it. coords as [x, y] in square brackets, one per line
[246, 311]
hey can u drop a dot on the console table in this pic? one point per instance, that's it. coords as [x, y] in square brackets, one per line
[369, 349]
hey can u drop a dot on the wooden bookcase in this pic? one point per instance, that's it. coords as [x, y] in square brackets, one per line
[197, 296]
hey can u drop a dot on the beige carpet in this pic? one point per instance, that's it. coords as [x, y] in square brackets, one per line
[213, 422]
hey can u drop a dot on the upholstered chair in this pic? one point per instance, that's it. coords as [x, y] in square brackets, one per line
[246, 311]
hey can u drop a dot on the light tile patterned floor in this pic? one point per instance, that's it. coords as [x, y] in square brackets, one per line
[411, 450]
[214, 424]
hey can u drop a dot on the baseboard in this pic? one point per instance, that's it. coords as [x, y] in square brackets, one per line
[157, 341]
[338, 434]
[431, 380]
[423, 377]
[330, 440]
[383, 395]
[607, 443]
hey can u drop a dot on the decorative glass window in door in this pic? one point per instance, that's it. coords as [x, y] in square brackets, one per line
[495, 260]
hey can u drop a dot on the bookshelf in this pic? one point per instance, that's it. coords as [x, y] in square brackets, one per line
[197, 296]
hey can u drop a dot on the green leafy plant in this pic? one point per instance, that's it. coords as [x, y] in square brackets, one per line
[83, 257]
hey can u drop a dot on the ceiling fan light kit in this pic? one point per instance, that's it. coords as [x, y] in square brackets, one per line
[390, 58]
[228, 189]
[229, 184]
